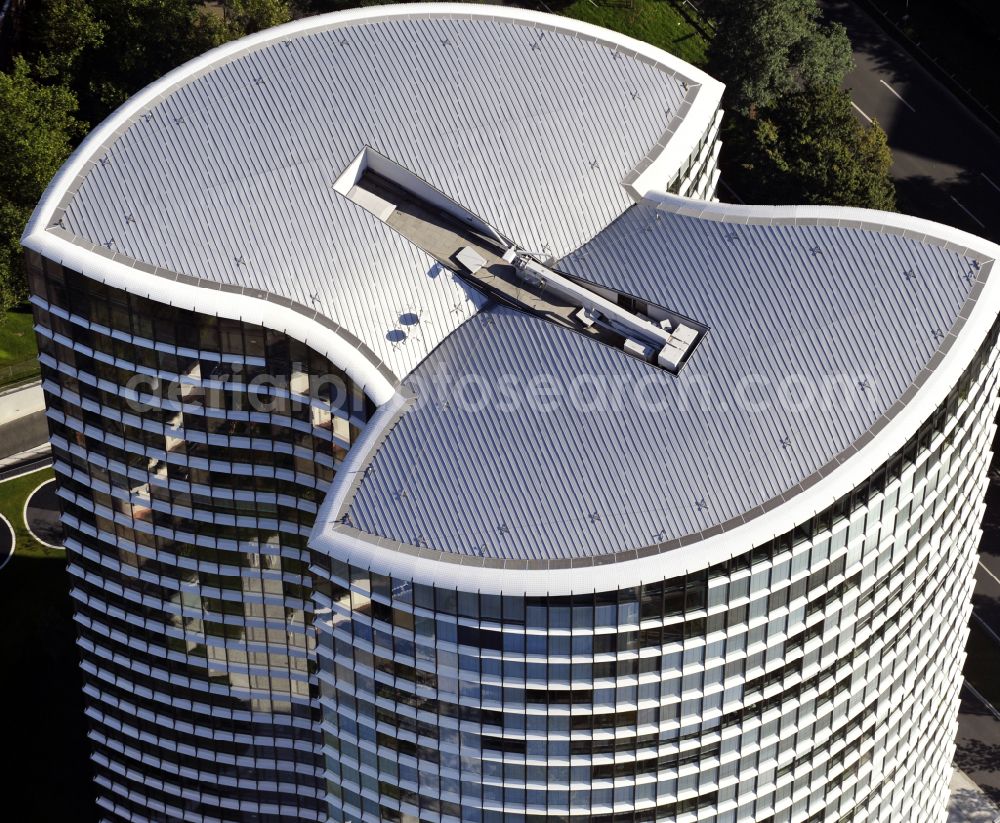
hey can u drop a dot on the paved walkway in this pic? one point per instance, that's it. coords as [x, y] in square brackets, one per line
[968, 803]
[6, 542]
[41, 515]
[978, 752]
[25, 461]
[21, 401]
[23, 434]
[22, 420]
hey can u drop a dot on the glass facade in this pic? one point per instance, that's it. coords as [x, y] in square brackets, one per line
[698, 176]
[233, 673]
[191, 454]
[814, 678]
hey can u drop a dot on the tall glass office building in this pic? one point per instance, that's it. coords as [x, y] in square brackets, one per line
[433, 447]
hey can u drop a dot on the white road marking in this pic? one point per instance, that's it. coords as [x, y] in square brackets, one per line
[857, 108]
[987, 179]
[986, 627]
[980, 222]
[897, 95]
[989, 572]
[731, 191]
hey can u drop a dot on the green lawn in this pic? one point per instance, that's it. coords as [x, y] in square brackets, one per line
[13, 493]
[17, 340]
[655, 21]
[18, 354]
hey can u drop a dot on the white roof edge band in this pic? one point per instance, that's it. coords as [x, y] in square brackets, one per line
[360, 451]
[380, 555]
[848, 216]
[60, 184]
[682, 143]
[250, 309]
[325, 341]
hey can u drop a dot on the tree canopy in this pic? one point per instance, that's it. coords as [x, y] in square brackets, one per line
[37, 132]
[54, 33]
[812, 149]
[243, 17]
[791, 134]
[106, 50]
[144, 40]
[765, 49]
[76, 61]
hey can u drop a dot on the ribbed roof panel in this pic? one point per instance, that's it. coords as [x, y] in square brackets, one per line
[229, 176]
[814, 333]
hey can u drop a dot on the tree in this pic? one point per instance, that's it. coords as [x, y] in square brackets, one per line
[243, 17]
[37, 132]
[791, 135]
[812, 149]
[99, 52]
[53, 35]
[143, 40]
[765, 49]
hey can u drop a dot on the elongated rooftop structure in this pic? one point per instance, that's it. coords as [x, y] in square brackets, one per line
[225, 172]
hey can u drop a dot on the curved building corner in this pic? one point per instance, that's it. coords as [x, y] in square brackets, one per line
[315, 579]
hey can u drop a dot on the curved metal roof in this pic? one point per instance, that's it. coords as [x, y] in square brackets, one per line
[527, 442]
[227, 175]
[222, 174]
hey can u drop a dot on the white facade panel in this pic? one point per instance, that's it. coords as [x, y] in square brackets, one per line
[295, 612]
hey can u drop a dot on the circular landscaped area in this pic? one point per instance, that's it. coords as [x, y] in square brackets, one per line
[41, 515]
[6, 541]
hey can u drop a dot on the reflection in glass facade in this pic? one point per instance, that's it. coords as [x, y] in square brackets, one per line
[187, 504]
[232, 673]
[814, 678]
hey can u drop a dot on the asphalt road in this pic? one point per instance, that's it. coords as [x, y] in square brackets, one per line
[24, 433]
[986, 600]
[946, 162]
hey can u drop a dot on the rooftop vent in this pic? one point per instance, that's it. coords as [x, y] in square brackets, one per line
[497, 266]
